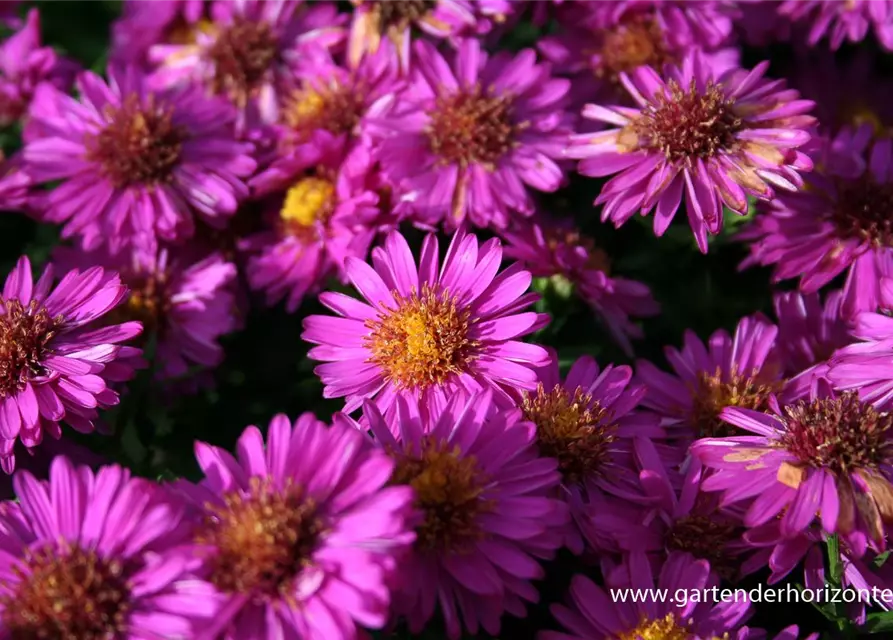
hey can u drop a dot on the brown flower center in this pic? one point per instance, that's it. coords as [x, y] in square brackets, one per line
[715, 392]
[471, 128]
[70, 595]
[632, 43]
[841, 434]
[243, 55]
[706, 538]
[335, 108]
[400, 14]
[685, 125]
[422, 341]
[448, 490]
[573, 428]
[262, 540]
[597, 259]
[140, 145]
[864, 209]
[25, 333]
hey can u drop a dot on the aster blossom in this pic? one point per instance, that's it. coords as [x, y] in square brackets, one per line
[321, 206]
[557, 250]
[588, 422]
[142, 25]
[717, 139]
[247, 52]
[839, 224]
[24, 64]
[55, 366]
[827, 455]
[864, 365]
[843, 21]
[293, 542]
[809, 333]
[488, 504]
[592, 614]
[742, 369]
[186, 298]
[86, 556]
[477, 132]
[428, 331]
[135, 166]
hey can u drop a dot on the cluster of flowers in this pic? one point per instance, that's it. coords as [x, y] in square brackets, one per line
[237, 148]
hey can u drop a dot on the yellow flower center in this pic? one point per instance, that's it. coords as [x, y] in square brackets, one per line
[309, 201]
[665, 628]
[335, 108]
[448, 489]
[572, 428]
[423, 341]
[715, 392]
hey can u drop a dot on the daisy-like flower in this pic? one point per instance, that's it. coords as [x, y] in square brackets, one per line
[842, 21]
[741, 370]
[247, 53]
[593, 614]
[831, 456]
[477, 133]
[840, 223]
[144, 24]
[134, 165]
[53, 367]
[294, 542]
[425, 331]
[608, 39]
[557, 250]
[809, 332]
[321, 208]
[714, 138]
[184, 298]
[683, 519]
[330, 98]
[87, 556]
[488, 504]
[588, 422]
[864, 366]
[24, 64]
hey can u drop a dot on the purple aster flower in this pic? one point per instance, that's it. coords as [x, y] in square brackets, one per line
[842, 21]
[293, 542]
[606, 39]
[321, 208]
[557, 250]
[88, 556]
[331, 98]
[37, 461]
[143, 24]
[183, 298]
[428, 331]
[849, 91]
[741, 370]
[488, 505]
[865, 365]
[55, 368]
[134, 164]
[592, 614]
[248, 52]
[469, 137]
[831, 456]
[24, 64]
[840, 223]
[588, 423]
[809, 332]
[681, 518]
[716, 138]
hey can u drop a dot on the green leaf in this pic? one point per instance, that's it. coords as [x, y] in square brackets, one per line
[879, 622]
